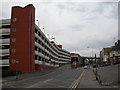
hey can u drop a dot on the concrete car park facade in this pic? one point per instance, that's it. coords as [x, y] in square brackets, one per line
[25, 47]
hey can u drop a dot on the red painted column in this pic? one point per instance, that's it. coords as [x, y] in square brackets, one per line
[22, 38]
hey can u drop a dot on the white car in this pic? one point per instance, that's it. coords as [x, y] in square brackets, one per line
[85, 67]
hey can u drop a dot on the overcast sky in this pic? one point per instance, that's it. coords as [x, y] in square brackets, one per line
[75, 24]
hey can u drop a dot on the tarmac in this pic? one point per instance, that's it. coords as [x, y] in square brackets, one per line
[87, 80]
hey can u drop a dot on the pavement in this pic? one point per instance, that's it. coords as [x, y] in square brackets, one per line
[89, 81]
[60, 78]
[109, 73]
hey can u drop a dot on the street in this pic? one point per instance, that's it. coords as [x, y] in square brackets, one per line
[59, 78]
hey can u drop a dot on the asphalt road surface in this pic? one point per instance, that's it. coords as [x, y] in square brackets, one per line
[62, 78]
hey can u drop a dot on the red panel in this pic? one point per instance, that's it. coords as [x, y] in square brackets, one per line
[24, 45]
[40, 67]
[60, 46]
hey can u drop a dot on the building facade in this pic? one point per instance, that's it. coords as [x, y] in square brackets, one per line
[114, 54]
[104, 54]
[76, 60]
[25, 47]
[111, 55]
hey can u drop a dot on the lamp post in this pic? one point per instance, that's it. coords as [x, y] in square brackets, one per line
[96, 68]
[38, 22]
[92, 52]
[43, 30]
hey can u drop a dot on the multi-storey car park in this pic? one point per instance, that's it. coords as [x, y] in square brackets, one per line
[25, 47]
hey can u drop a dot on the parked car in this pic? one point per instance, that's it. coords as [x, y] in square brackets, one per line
[85, 67]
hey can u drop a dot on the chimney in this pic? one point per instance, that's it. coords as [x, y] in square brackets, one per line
[115, 43]
[119, 42]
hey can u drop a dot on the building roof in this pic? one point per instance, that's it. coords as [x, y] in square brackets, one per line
[74, 54]
[116, 47]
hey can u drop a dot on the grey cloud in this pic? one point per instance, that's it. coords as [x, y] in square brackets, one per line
[92, 7]
[75, 27]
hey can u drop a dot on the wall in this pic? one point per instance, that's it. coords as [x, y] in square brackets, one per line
[23, 19]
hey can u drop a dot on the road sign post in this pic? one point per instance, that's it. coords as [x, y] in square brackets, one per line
[17, 73]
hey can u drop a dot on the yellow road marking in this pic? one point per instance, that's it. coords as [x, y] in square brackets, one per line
[12, 86]
[39, 83]
[3, 80]
[76, 82]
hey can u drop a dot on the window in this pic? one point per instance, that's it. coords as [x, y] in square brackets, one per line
[45, 47]
[35, 39]
[13, 50]
[35, 57]
[39, 50]
[39, 58]
[39, 42]
[36, 48]
[45, 53]
[13, 61]
[45, 40]
[13, 39]
[35, 30]
[42, 44]
[13, 29]
[42, 52]
[42, 59]
[14, 19]
[43, 37]
[39, 33]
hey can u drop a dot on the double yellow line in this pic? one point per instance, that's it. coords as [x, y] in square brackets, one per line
[75, 82]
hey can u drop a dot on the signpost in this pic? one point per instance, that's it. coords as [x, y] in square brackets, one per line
[17, 62]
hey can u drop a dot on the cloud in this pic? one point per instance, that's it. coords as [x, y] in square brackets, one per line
[76, 25]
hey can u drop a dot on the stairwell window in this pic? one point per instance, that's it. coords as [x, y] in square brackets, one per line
[13, 39]
[13, 50]
[14, 19]
[13, 29]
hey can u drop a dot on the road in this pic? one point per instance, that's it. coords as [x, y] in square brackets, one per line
[62, 78]
[59, 78]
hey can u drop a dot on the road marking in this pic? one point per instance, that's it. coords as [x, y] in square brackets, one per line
[39, 83]
[3, 80]
[37, 76]
[12, 87]
[75, 82]
[47, 80]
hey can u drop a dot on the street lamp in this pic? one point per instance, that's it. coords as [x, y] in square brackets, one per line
[43, 30]
[92, 52]
[96, 68]
[38, 22]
